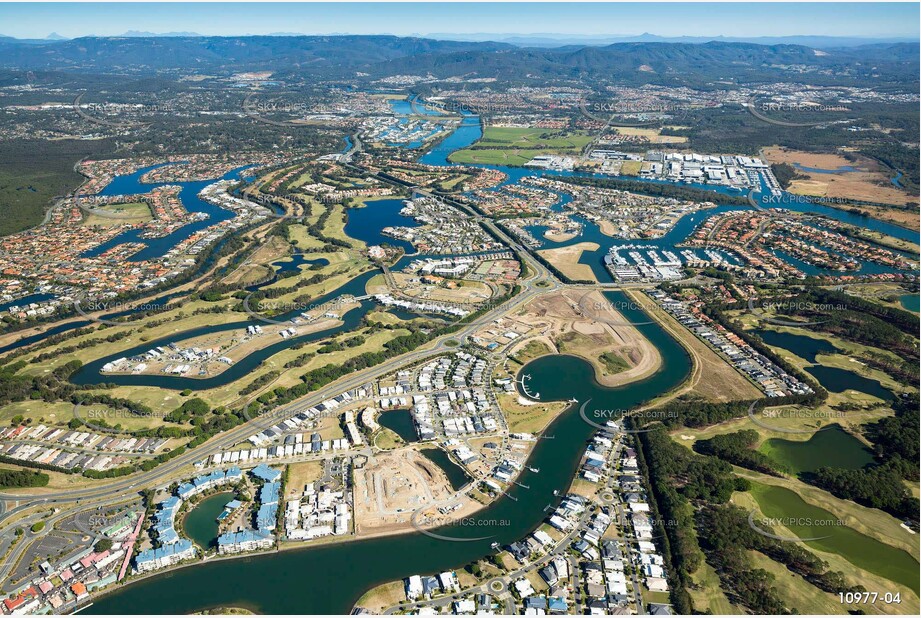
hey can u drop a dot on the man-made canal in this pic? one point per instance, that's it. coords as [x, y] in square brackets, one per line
[329, 579]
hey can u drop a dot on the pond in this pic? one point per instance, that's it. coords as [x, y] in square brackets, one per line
[200, 524]
[399, 422]
[840, 380]
[832, 446]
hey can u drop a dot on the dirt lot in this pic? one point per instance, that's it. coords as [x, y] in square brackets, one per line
[584, 324]
[393, 485]
[870, 182]
[566, 259]
[653, 135]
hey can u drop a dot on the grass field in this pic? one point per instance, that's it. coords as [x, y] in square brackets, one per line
[706, 593]
[299, 474]
[381, 597]
[832, 447]
[528, 419]
[134, 212]
[532, 350]
[517, 146]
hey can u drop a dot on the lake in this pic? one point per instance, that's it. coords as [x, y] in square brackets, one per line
[832, 446]
[399, 422]
[200, 524]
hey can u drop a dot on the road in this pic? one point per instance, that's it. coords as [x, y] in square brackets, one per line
[118, 489]
[174, 470]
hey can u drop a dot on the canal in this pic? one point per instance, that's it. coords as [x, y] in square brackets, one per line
[329, 579]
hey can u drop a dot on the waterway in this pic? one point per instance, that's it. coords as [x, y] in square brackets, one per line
[818, 170]
[90, 373]
[130, 184]
[399, 422]
[832, 447]
[26, 300]
[470, 131]
[457, 477]
[329, 579]
[365, 224]
[200, 524]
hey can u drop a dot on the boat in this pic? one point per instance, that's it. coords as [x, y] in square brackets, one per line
[494, 545]
[573, 400]
[533, 469]
[556, 492]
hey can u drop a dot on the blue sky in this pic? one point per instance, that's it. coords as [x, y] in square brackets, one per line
[27, 20]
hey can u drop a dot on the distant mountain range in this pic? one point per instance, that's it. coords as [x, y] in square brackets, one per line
[343, 57]
[561, 40]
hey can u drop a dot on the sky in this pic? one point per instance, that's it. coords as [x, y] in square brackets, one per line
[739, 19]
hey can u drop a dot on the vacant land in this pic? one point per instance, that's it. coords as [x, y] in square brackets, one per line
[299, 474]
[119, 214]
[653, 135]
[528, 417]
[566, 260]
[517, 146]
[862, 179]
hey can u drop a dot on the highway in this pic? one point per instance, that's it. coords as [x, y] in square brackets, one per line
[117, 489]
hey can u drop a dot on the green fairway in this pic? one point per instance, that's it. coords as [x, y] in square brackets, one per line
[807, 521]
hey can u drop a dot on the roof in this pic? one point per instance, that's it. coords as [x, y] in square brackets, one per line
[266, 473]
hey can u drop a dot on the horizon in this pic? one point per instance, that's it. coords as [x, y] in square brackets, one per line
[853, 20]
